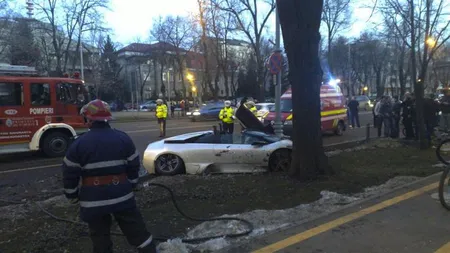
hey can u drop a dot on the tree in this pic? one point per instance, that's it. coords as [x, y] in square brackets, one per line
[336, 16]
[300, 24]
[339, 58]
[178, 31]
[111, 87]
[427, 25]
[252, 27]
[62, 21]
[23, 49]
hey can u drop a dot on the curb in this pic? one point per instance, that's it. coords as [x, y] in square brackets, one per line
[358, 202]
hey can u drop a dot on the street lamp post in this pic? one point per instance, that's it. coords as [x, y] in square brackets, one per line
[278, 127]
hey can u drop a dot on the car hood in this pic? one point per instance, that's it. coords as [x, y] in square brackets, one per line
[250, 121]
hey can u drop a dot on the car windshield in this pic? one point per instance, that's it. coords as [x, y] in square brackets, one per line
[285, 105]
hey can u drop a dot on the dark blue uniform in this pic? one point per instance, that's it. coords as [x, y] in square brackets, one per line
[102, 153]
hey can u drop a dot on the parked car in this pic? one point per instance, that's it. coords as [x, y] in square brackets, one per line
[364, 103]
[263, 110]
[207, 112]
[148, 106]
[254, 149]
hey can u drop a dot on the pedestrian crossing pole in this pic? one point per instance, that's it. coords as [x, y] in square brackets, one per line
[278, 127]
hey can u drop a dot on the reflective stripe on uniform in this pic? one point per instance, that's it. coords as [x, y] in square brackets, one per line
[70, 163]
[147, 242]
[133, 156]
[104, 164]
[70, 191]
[107, 202]
[133, 181]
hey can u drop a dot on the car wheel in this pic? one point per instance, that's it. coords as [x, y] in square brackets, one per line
[55, 144]
[339, 129]
[280, 160]
[169, 165]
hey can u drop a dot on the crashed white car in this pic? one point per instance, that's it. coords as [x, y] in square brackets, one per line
[255, 149]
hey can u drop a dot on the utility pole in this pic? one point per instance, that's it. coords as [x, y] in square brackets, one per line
[81, 57]
[278, 127]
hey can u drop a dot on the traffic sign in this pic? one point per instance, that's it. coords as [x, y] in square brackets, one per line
[275, 63]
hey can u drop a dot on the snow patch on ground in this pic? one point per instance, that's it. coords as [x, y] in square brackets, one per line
[269, 220]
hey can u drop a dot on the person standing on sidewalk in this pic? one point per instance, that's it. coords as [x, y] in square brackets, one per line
[386, 114]
[445, 108]
[161, 115]
[396, 109]
[407, 116]
[353, 105]
[378, 118]
[100, 174]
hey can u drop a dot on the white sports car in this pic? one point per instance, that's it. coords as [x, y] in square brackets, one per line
[254, 149]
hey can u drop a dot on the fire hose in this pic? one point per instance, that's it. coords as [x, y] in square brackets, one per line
[247, 223]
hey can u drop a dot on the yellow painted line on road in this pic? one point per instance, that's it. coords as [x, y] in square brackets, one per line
[444, 249]
[295, 239]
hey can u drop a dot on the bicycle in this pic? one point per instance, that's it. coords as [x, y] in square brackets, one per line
[443, 154]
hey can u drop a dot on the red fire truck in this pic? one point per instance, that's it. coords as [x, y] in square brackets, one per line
[39, 113]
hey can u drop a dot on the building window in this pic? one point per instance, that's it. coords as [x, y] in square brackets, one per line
[40, 94]
[11, 94]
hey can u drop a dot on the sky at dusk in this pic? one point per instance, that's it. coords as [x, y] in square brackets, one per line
[132, 19]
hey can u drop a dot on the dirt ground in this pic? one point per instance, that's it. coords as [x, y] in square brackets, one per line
[24, 228]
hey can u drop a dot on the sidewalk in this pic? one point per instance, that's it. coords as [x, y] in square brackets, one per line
[406, 220]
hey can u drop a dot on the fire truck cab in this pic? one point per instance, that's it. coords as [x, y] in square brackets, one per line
[39, 113]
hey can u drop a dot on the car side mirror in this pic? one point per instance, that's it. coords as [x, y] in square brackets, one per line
[259, 143]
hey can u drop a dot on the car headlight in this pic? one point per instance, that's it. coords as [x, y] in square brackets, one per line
[288, 122]
[189, 113]
[196, 113]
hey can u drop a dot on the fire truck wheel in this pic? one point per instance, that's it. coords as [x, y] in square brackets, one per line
[339, 129]
[55, 144]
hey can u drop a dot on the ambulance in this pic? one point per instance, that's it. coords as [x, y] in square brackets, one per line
[39, 113]
[333, 110]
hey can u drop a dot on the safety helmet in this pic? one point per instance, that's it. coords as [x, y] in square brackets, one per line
[97, 110]
[159, 101]
[227, 103]
[251, 103]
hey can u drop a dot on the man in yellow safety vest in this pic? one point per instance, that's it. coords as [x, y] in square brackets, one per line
[226, 115]
[161, 115]
[252, 107]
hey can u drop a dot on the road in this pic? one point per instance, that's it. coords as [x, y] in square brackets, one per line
[26, 167]
[407, 220]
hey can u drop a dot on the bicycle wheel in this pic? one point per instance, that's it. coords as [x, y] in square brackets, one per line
[443, 151]
[444, 194]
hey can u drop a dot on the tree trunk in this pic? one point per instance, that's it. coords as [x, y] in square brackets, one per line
[300, 23]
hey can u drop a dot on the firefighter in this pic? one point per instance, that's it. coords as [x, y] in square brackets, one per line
[226, 115]
[100, 173]
[161, 115]
[251, 106]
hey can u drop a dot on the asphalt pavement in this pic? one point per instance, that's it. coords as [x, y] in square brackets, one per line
[407, 220]
[26, 167]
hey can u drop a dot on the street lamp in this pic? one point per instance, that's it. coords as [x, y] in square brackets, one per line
[431, 42]
[190, 77]
[194, 89]
[365, 88]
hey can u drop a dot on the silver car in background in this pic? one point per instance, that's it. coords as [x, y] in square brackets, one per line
[255, 149]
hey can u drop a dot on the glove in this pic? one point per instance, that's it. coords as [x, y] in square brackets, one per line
[233, 117]
[74, 201]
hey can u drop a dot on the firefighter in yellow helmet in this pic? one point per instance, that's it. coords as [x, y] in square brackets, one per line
[252, 107]
[161, 115]
[226, 115]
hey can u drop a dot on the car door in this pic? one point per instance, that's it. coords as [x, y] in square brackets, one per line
[237, 154]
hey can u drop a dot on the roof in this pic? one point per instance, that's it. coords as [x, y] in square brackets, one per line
[147, 48]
